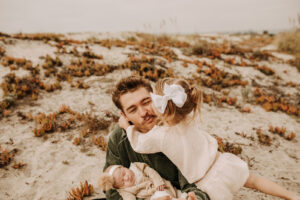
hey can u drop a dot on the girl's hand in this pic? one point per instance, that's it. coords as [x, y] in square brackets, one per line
[161, 187]
[123, 123]
[192, 196]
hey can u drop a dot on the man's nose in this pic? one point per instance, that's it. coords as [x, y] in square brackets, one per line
[142, 111]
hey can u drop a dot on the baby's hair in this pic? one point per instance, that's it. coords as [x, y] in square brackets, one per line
[106, 180]
[173, 114]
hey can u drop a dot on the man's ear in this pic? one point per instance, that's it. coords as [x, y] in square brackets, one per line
[124, 115]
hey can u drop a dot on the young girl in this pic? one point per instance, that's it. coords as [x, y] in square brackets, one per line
[139, 180]
[192, 150]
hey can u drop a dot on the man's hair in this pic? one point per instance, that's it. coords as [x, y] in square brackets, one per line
[129, 84]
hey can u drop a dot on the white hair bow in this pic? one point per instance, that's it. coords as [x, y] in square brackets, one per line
[172, 92]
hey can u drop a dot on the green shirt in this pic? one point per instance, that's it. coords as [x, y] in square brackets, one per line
[120, 152]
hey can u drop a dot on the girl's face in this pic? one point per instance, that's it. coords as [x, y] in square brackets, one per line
[123, 177]
[155, 110]
[153, 106]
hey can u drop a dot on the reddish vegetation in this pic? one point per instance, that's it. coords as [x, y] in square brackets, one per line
[263, 138]
[6, 156]
[56, 122]
[145, 66]
[79, 193]
[228, 147]
[99, 141]
[272, 103]
[18, 165]
[246, 110]
[2, 52]
[76, 141]
[216, 78]
[281, 131]
[16, 63]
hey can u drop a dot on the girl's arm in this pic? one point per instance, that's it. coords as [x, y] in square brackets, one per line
[149, 142]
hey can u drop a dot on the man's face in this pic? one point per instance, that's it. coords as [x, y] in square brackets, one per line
[137, 108]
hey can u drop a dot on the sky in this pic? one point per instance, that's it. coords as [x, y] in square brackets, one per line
[152, 16]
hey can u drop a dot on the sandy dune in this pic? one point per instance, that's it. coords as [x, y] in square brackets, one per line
[54, 165]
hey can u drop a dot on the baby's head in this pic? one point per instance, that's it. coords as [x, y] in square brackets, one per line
[116, 176]
[189, 95]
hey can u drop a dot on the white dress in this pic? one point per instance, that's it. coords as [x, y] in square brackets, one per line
[195, 154]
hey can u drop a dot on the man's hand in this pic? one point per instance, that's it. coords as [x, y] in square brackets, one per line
[123, 123]
[161, 187]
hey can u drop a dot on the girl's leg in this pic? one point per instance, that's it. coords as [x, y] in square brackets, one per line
[266, 186]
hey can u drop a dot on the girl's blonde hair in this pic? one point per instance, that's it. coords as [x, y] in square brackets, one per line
[173, 114]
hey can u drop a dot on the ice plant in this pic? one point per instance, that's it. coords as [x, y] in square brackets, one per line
[80, 192]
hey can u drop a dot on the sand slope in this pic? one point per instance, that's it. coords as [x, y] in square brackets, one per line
[54, 164]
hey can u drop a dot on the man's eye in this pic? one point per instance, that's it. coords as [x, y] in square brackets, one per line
[132, 110]
[147, 102]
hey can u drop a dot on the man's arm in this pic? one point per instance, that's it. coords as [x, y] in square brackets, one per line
[127, 195]
[186, 187]
[113, 157]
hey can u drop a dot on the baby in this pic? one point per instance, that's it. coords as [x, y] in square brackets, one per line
[139, 181]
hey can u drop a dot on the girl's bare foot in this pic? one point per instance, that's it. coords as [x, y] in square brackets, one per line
[294, 197]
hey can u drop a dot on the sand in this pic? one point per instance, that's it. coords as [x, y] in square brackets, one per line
[54, 165]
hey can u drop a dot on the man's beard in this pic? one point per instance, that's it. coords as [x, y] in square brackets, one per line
[149, 117]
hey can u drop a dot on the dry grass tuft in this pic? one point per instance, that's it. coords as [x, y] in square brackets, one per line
[289, 42]
[296, 62]
[203, 48]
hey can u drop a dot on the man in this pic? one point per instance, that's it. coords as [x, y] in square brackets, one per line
[132, 97]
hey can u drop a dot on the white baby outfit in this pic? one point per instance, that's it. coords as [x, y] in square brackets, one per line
[195, 154]
[146, 182]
